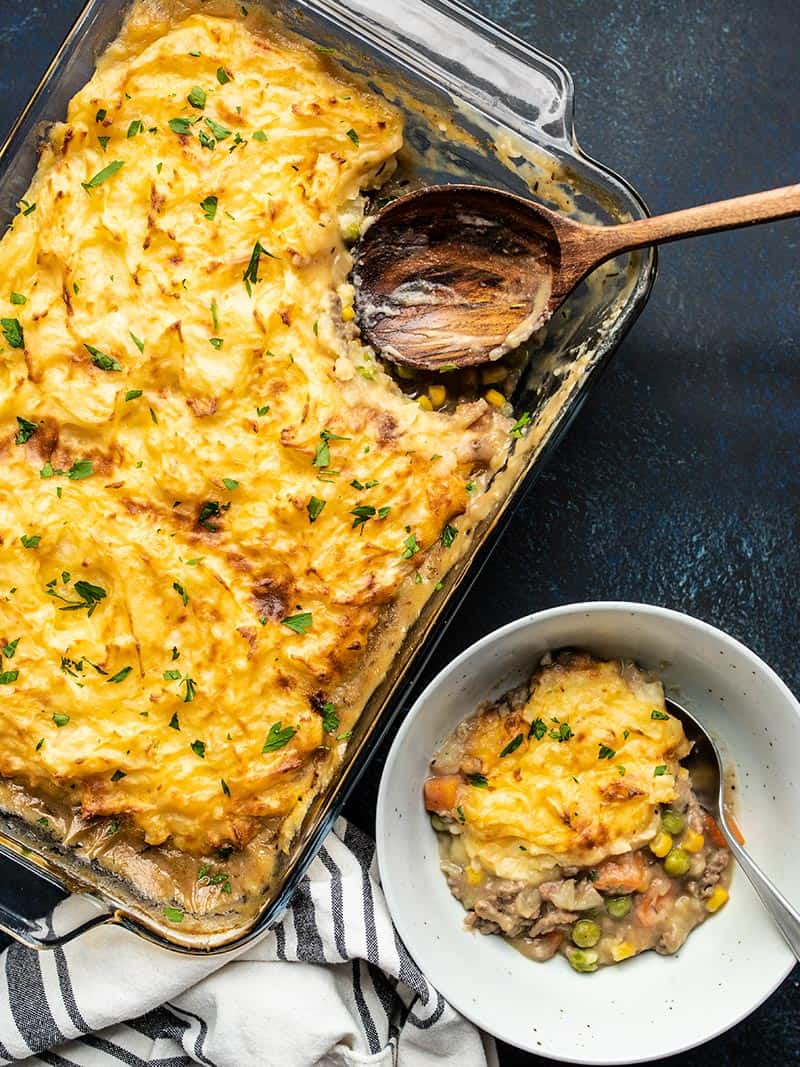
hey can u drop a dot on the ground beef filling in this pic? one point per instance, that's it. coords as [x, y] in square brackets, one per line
[605, 914]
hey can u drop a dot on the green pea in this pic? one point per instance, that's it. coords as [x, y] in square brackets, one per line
[584, 962]
[677, 863]
[672, 822]
[618, 907]
[586, 933]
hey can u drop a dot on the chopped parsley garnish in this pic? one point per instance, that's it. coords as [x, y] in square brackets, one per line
[512, 745]
[351, 133]
[211, 509]
[172, 676]
[112, 828]
[199, 748]
[251, 274]
[101, 360]
[626, 734]
[173, 915]
[225, 788]
[11, 648]
[314, 508]
[191, 689]
[174, 723]
[656, 714]
[133, 394]
[181, 126]
[103, 143]
[621, 769]
[26, 430]
[219, 132]
[300, 623]
[215, 342]
[538, 729]
[137, 126]
[330, 720]
[197, 98]
[214, 315]
[461, 816]
[121, 675]
[222, 76]
[259, 135]
[139, 343]
[8, 677]
[523, 421]
[480, 781]
[103, 175]
[660, 770]
[80, 469]
[30, 540]
[205, 140]
[13, 333]
[118, 775]
[278, 737]
[363, 513]
[412, 546]
[90, 596]
[209, 207]
[263, 410]
[606, 753]
[181, 592]
[29, 208]
[449, 534]
[18, 298]
[101, 115]
[230, 484]
[60, 719]
[563, 733]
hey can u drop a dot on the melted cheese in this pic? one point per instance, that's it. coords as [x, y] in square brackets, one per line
[578, 800]
[205, 426]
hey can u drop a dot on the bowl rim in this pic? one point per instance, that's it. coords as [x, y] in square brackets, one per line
[580, 607]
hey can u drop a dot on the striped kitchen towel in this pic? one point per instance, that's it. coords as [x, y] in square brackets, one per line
[332, 985]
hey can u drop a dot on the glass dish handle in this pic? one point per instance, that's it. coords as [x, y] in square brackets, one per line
[38, 933]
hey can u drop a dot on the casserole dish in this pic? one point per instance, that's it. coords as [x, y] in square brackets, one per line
[516, 133]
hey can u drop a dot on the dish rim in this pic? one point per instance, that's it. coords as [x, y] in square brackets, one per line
[620, 607]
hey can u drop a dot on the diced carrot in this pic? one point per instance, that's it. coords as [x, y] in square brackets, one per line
[734, 827]
[622, 874]
[655, 905]
[713, 832]
[441, 793]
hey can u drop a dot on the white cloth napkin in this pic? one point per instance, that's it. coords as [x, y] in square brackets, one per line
[331, 984]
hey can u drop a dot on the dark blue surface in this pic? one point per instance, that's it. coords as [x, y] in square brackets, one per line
[680, 482]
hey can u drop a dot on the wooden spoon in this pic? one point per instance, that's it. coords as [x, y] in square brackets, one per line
[456, 275]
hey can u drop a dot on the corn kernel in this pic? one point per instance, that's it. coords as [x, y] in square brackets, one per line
[438, 395]
[348, 314]
[474, 877]
[661, 844]
[623, 950]
[497, 400]
[425, 403]
[717, 899]
[692, 841]
[492, 375]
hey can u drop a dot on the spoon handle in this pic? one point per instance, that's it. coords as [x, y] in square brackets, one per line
[748, 210]
[786, 917]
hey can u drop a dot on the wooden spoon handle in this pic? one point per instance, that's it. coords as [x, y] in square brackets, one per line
[723, 215]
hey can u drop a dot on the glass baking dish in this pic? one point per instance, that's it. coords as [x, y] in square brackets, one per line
[481, 106]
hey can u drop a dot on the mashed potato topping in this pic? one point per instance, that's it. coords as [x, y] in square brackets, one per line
[211, 492]
[574, 774]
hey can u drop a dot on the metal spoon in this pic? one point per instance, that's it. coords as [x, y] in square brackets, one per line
[456, 275]
[707, 772]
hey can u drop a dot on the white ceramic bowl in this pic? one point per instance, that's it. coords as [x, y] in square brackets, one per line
[651, 1006]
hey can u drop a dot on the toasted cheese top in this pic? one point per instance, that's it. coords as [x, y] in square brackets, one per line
[573, 776]
[211, 492]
